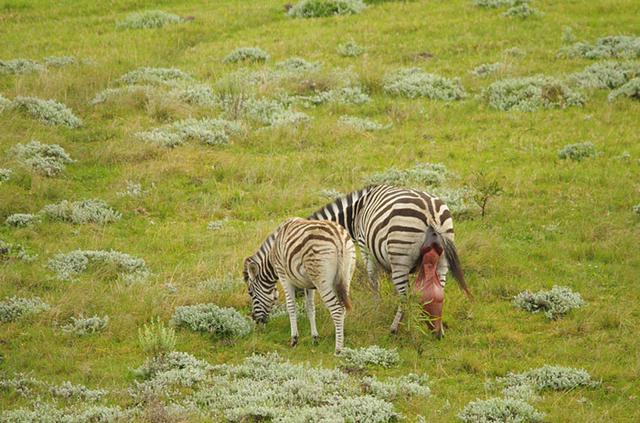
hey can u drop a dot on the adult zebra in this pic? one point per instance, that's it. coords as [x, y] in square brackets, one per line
[390, 225]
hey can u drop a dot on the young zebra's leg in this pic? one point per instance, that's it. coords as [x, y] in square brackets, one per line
[311, 313]
[337, 312]
[400, 278]
[372, 272]
[290, 298]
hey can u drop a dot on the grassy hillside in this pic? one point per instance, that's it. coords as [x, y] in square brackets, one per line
[557, 222]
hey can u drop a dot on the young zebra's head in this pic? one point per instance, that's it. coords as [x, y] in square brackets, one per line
[262, 288]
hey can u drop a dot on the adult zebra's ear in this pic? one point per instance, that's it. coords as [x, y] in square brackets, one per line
[250, 269]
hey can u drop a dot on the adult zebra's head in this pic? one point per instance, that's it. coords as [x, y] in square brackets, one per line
[261, 287]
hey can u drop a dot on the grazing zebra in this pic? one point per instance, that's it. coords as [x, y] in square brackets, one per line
[390, 224]
[311, 255]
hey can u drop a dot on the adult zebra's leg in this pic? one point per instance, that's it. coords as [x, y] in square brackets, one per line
[337, 312]
[311, 313]
[290, 298]
[400, 278]
[372, 272]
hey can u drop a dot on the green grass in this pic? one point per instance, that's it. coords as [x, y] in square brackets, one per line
[557, 222]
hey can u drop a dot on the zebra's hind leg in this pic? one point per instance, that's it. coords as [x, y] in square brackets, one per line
[311, 313]
[337, 312]
[290, 295]
[400, 278]
[372, 272]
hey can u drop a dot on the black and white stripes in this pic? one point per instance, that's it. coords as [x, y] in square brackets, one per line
[310, 255]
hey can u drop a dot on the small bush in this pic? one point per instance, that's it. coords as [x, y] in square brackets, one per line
[554, 303]
[549, 378]
[216, 225]
[220, 321]
[531, 93]
[49, 112]
[494, 4]
[45, 159]
[414, 82]
[20, 220]
[206, 131]
[298, 65]
[133, 189]
[631, 90]
[14, 308]
[247, 54]
[422, 175]
[81, 212]
[345, 95]
[197, 95]
[500, 410]
[67, 390]
[149, 19]
[398, 387]
[514, 52]
[350, 49]
[19, 66]
[577, 152]
[273, 113]
[614, 46]
[5, 175]
[67, 266]
[608, 75]
[486, 69]
[86, 325]
[110, 93]
[59, 61]
[331, 193]
[155, 76]
[522, 10]
[324, 8]
[369, 356]
[156, 339]
[362, 124]
[5, 103]
[636, 209]
[14, 251]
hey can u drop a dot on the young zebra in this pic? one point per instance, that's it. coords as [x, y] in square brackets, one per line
[311, 255]
[390, 226]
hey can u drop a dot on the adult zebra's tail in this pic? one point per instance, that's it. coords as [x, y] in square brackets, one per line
[451, 254]
[341, 279]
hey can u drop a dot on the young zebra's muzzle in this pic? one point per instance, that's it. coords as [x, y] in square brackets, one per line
[429, 288]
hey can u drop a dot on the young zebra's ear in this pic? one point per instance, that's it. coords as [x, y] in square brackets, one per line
[250, 269]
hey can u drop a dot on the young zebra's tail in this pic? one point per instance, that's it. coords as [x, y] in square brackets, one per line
[342, 278]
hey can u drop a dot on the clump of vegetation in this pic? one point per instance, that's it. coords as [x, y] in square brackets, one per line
[149, 19]
[397, 387]
[577, 152]
[133, 189]
[216, 225]
[67, 266]
[13, 308]
[613, 46]
[373, 355]
[362, 124]
[5, 174]
[20, 220]
[247, 54]
[456, 199]
[155, 76]
[531, 93]
[59, 61]
[272, 113]
[514, 52]
[521, 9]
[19, 66]
[324, 8]
[45, 159]
[156, 339]
[415, 82]
[494, 4]
[636, 209]
[608, 75]
[331, 193]
[344, 95]
[500, 410]
[5, 103]
[207, 131]
[109, 93]
[226, 283]
[14, 251]
[421, 175]
[86, 325]
[553, 303]
[297, 65]
[221, 321]
[81, 212]
[486, 69]
[630, 90]
[49, 112]
[549, 378]
[40, 411]
[483, 188]
[68, 390]
[350, 49]
[196, 94]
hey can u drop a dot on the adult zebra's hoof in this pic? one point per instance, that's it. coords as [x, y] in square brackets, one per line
[314, 340]
[294, 341]
[393, 331]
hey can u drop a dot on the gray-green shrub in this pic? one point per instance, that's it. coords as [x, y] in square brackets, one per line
[81, 212]
[86, 325]
[247, 54]
[630, 90]
[14, 251]
[531, 93]
[45, 159]
[350, 49]
[522, 10]
[59, 61]
[415, 82]
[154, 76]
[324, 8]
[13, 308]
[500, 410]
[549, 378]
[608, 75]
[613, 46]
[362, 124]
[553, 303]
[156, 339]
[20, 220]
[5, 175]
[397, 387]
[19, 66]
[577, 152]
[421, 175]
[207, 131]
[149, 19]
[49, 112]
[67, 266]
[494, 4]
[486, 69]
[220, 321]
[369, 356]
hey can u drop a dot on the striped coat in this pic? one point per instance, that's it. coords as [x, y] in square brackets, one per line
[304, 254]
[390, 226]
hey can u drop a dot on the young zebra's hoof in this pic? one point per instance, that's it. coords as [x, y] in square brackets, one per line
[314, 340]
[294, 341]
[394, 331]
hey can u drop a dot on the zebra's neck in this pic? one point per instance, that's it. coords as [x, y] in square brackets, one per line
[343, 210]
[262, 257]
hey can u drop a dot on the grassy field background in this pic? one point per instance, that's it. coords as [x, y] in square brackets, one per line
[557, 222]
